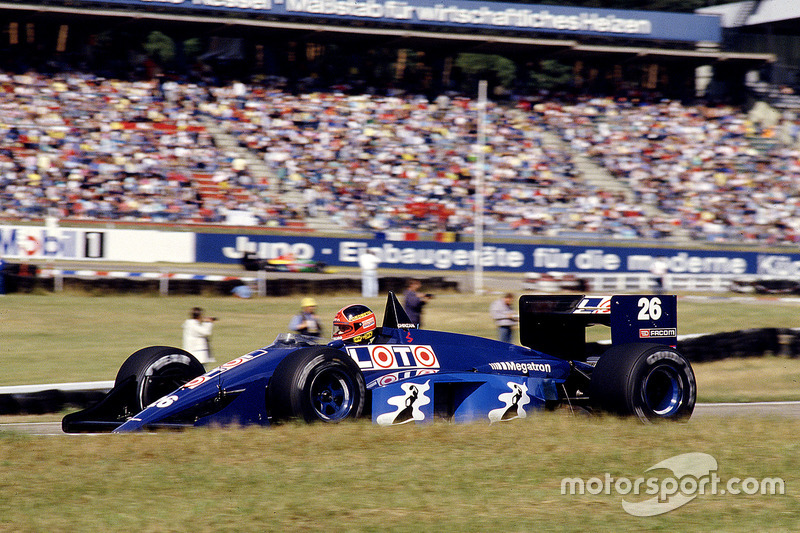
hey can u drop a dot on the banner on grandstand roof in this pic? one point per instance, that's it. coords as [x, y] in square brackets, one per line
[466, 14]
[522, 258]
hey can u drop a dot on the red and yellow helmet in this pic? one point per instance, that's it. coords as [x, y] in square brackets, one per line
[355, 323]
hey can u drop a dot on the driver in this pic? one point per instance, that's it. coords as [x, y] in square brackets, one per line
[354, 324]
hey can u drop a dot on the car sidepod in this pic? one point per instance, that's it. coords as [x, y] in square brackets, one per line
[461, 397]
[458, 378]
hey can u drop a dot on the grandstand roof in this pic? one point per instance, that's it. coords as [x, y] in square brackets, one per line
[438, 38]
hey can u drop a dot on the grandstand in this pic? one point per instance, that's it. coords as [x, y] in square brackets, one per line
[95, 132]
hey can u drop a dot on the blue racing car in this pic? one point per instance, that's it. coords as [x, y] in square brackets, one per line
[398, 374]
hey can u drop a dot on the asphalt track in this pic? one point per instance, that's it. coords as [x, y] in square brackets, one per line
[701, 411]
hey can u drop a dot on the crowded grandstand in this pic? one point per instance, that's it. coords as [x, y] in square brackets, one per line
[79, 144]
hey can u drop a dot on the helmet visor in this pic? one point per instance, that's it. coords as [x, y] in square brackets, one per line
[342, 330]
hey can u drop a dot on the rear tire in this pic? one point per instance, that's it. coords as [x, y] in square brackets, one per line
[649, 381]
[317, 384]
[158, 370]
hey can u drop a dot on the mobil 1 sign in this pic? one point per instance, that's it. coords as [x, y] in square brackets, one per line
[510, 257]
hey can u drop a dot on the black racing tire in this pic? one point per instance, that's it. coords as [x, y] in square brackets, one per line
[317, 384]
[649, 381]
[158, 370]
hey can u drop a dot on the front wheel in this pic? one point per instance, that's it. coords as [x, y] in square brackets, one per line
[649, 381]
[144, 377]
[317, 384]
[157, 370]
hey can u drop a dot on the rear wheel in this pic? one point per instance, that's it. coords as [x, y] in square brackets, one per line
[649, 381]
[317, 384]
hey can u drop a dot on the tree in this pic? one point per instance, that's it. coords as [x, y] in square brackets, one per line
[159, 47]
[498, 70]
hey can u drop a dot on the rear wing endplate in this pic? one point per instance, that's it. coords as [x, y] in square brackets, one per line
[557, 325]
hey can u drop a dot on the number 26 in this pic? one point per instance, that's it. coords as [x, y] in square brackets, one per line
[649, 308]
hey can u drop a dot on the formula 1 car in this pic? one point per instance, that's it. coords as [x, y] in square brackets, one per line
[408, 374]
[283, 263]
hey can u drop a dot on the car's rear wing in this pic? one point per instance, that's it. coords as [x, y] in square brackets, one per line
[557, 325]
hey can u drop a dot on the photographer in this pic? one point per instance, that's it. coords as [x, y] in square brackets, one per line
[306, 322]
[413, 301]
[197, 335]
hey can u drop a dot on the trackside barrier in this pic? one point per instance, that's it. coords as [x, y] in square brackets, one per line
[672, 282]
[163, 278]
[742, 343]
[51, 398]
[168, 283]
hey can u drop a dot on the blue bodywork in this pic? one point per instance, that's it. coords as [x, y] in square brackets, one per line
[477, 378]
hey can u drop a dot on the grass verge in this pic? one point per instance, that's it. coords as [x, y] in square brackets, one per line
[360, 477]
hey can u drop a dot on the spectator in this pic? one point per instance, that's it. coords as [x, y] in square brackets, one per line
[78, 146]
[368, 262]
[306, 322]
[413, 301]
[242, 290]
[659, 269]
[197, 335]
[504, 317]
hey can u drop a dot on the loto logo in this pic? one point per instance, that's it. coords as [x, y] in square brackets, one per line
[692, 474]
[393, 356]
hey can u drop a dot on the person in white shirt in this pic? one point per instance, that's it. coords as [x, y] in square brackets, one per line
[368, 262]
[197, 335]
[504, 317]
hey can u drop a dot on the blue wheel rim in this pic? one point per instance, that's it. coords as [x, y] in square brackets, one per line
[332, 395]
[663, 390]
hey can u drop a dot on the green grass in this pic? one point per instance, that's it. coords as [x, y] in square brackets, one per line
[361, 477]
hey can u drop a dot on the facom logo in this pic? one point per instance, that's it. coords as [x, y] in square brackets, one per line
[654, 333]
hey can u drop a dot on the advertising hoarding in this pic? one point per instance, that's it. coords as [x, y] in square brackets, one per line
[461, 14]
[506, 257]
[56, 243]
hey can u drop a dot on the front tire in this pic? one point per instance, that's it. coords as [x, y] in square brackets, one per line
[317, 384]
[649, 381]
[158, 370]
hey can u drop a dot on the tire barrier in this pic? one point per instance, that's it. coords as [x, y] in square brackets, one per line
[47, 401]
[18, 277]
[741, 343]
[107, 282]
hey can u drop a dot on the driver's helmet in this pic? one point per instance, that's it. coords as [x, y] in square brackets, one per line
[354, 323]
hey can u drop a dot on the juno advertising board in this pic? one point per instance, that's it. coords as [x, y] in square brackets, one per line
[427, 255]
